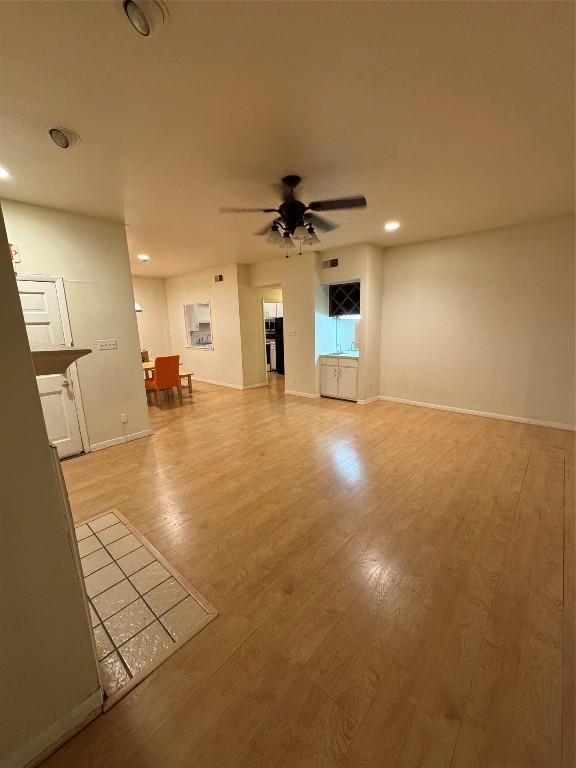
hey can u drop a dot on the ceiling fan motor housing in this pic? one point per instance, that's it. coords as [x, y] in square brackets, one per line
[292, 214]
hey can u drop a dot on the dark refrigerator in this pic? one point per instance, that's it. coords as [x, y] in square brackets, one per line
[279, 339]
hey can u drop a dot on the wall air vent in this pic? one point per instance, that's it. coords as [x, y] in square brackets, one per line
[218, 278]
[329, 263]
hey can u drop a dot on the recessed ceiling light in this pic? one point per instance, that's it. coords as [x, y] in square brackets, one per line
[137, 17]
[392, 226]
[4, 173]
[143, 257]
[63, 137]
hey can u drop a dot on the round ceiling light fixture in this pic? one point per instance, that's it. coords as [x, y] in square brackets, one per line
[4, 173]
[392, 226]
[137, 17]
[143, 257]
[63, 137]
[145, 16]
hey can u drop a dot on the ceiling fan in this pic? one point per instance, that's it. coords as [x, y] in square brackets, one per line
[295, 219]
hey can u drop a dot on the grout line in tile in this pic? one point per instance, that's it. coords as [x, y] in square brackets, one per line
[107, 588]
[155, 585]
[186, 596]
[93, 520]
[95, 550]
[142, 630]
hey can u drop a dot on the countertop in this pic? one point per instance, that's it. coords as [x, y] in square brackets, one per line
[354, 355]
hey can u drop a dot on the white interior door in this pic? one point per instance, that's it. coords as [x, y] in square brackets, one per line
[44, 326]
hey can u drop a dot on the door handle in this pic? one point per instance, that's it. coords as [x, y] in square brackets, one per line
[66, 383]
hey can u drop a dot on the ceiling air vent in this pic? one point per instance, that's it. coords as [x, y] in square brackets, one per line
[218, 278]
[329, 263]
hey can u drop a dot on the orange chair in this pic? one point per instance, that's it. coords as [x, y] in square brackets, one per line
[166, 376]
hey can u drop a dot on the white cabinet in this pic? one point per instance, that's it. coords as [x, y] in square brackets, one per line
[272, 310]
[329, 380]
[339, 377]
[347, 382]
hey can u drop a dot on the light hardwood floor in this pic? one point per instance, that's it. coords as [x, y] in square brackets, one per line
[395, 587]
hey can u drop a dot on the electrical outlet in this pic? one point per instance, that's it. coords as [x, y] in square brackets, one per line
[124, 418]
[104, 344]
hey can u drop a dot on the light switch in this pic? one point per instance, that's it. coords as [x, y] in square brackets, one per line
[104, 344]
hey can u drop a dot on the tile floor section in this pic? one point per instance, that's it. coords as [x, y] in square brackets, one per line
[139, 610]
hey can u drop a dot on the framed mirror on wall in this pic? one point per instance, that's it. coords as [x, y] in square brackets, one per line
[198, 323]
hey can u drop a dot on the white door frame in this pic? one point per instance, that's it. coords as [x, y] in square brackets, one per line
[68, 339]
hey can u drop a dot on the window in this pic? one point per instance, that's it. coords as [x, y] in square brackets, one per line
[198, 326]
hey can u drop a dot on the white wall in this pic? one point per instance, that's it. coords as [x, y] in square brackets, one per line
[484, 322]
[223, 363]
[153, 328]
[48, 672]
[92, 257]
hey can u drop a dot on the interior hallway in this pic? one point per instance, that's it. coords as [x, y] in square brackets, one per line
[391, 583]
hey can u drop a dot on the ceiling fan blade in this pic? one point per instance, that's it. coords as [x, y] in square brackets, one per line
[229, 209]
[357, 201]
[319, 222]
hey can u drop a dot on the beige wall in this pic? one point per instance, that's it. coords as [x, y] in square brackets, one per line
[484, 322]
[92, 257]
[48, 684]
[153, 329]
[223, 364]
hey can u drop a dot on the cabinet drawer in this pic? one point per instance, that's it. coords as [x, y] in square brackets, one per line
[348, 362]
[333, 361]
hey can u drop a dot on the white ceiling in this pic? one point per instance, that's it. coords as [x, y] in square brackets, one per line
[450, 117]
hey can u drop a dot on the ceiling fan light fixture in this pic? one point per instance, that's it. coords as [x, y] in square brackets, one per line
[287, 241]
[274, 235]
[311, 238]
[300, 233]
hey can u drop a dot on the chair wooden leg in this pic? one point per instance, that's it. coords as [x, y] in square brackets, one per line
[179, 387]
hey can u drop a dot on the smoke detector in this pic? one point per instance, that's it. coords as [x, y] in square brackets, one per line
[145, 16]
[63, 137]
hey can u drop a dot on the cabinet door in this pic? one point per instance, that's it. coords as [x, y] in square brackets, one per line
[347, 382]
[329, 380]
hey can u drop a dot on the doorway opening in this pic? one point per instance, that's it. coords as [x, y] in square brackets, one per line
[273, 318]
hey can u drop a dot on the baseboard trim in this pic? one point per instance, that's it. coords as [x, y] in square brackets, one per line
[368, 400]
[301, 394]
[37, 750]
[217, 383]
[121, 439]
[255, 386]
[483, 414]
